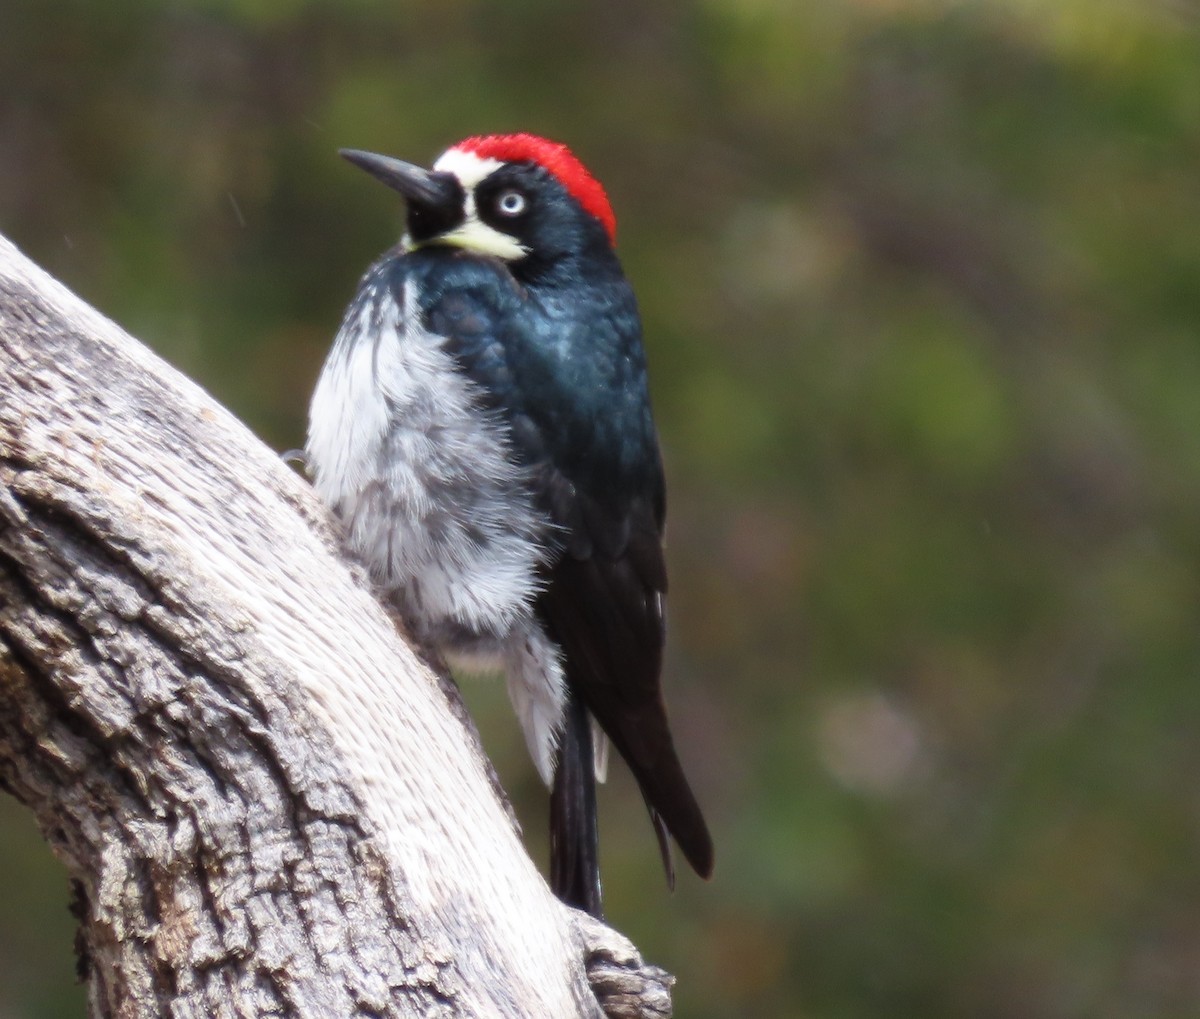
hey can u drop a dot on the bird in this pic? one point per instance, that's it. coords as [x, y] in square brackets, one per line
[482, 428]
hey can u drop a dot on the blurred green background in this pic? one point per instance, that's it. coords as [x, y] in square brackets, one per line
[921, 286]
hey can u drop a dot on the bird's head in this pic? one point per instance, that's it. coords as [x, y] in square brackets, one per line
[517, 197]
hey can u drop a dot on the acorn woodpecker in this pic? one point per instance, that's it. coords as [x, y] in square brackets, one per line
[482, 427]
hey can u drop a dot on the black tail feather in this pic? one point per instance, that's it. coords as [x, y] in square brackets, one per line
[664, 845]
[574, 835]
[673, 809]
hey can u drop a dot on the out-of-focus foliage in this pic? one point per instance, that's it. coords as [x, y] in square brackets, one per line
[921, 282]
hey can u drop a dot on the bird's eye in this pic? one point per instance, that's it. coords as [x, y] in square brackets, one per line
[511, 202]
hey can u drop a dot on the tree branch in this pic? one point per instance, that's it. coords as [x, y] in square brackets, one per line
[268, 804]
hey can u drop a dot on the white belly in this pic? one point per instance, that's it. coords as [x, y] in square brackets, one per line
[424, 483]
[433, 504]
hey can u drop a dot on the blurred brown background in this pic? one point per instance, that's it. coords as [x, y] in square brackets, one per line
[921, 286]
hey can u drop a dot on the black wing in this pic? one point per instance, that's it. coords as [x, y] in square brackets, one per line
[568, 377]
[604, 608]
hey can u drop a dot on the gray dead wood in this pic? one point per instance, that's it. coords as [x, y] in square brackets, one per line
[267, 804]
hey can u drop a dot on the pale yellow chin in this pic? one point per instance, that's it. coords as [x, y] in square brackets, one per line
[475, 235]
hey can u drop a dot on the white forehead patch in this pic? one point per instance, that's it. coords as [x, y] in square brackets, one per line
[469, 168]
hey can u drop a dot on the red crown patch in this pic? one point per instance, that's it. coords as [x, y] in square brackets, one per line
[554, 157]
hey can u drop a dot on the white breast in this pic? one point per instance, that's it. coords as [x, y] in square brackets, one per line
[424, 483]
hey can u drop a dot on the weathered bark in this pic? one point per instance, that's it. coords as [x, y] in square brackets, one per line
[268, 804]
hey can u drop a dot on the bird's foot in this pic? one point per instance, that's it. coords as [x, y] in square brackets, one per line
[295, 458]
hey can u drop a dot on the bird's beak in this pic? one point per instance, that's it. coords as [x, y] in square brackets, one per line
[415, 183]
